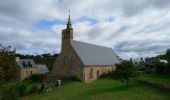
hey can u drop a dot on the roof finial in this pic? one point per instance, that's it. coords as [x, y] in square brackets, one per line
[69, 21]
[69, 12]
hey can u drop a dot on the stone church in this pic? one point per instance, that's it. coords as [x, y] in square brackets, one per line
[82, 60]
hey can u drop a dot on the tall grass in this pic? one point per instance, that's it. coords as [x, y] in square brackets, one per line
[102, 89]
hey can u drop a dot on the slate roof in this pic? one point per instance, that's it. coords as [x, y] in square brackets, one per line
[24, 63]
[42, 69]
[92, 55]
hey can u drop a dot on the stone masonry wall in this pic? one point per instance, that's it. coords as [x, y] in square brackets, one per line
[97, 71]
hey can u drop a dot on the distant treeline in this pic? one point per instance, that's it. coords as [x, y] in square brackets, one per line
[47, 59]
[165, 56]
[159, 67]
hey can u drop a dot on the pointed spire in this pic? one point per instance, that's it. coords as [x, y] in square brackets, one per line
[69, 25]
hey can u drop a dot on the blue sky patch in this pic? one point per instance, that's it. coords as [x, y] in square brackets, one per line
[91, 20]
[110, 19]
[46, 24]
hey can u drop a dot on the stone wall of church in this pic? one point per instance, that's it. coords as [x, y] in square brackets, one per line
[91, 73]
[67, 63]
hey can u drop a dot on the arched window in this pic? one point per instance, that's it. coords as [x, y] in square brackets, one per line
[98, 74]
[91, 73]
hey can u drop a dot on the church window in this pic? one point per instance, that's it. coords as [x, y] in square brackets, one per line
[26, 72]
[29, 64]
[98, 74]
[23, 64]
[91, 73]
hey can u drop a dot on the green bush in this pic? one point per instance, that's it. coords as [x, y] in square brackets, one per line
[12, 90]
[27, 87]
[138, 73]
[9, 92]
[24, 88]
[21, 88]
[36, 78]
[108, 75]
[162, 68]
[71, 78]
[34, 88]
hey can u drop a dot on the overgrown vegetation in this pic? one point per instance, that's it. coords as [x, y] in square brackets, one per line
[12, 90]
[158, 67]
[165, 56]
[8, 66]
[36, 77]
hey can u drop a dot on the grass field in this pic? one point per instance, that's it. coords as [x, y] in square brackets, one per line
[161, 79]
[103, 89]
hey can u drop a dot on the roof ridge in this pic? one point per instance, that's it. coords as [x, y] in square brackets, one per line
[26, 59]
[93, 44]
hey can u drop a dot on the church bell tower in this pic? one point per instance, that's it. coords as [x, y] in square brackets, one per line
[67, 34]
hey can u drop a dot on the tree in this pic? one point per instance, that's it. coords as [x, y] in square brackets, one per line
[8, 65]
[162, 68]
[125, 70]
[168, 53]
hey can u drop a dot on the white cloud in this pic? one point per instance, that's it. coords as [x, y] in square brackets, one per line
[131, 27]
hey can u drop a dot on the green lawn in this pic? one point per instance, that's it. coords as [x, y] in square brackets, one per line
[161, 79]
[103, 89]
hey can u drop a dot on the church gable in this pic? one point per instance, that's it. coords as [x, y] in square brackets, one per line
[68, 63]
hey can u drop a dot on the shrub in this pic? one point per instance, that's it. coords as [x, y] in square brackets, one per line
[21, 88]
[71, 78]
[36, 78]
[149, 71]
[108, 75]
[25, 88]
[9, 92]
[138, 73]
[12, 90]
[162, 68]
[34, 88]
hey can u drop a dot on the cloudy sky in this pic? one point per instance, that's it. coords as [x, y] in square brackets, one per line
[133, 28]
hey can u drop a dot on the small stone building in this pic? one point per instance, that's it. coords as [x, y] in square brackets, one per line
[82, 60]
[28, 67]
